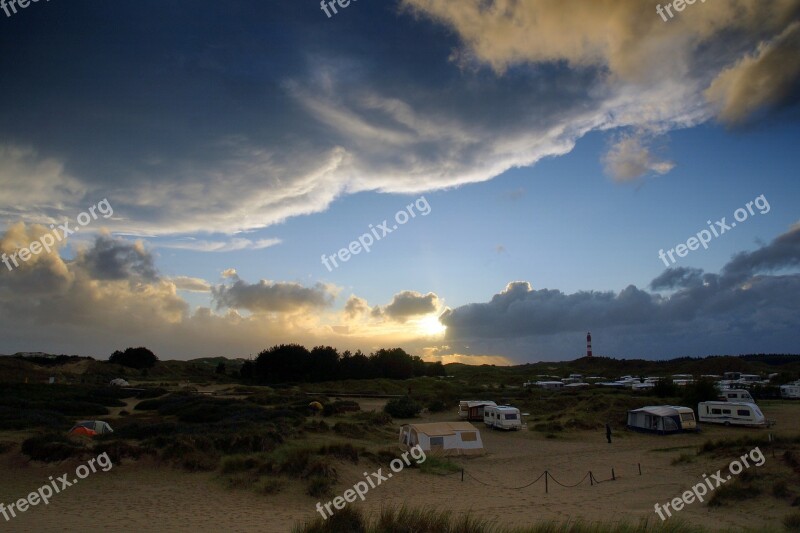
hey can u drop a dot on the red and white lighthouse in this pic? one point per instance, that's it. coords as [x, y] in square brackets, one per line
[588, 344]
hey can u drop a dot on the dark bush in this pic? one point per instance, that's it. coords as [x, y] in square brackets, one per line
[51, 448]
[340, 406]
[403, 407]
[347, 429]
[437, 405]
[341, 451]
[117, 450]
[151, 393]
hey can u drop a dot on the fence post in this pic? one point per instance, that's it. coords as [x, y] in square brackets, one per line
[462, 475]
[546, 473]
[640, 468]
[613, 476]
[591, 479]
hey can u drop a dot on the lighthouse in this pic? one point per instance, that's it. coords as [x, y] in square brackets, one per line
[588, 344]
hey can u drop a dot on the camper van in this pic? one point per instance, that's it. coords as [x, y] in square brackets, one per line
[662, 419]
[502, 417]
[473, 409]
[790, 391]
[731, 413]
[735, 395]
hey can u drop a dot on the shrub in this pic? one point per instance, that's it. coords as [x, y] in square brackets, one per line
[347, 429]
[51, 448]
[319, 487]
[792, 521]
[437, 405]
[340, 406]
[403, 407]
[270, 485]
[117, 450]
[780, 489]
[348, 519]
[341, 451]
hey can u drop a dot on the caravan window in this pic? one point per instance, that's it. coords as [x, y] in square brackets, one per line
[512, 416]
[743, 412]
[687, 417]
[437, 441]
[726, 411]
[716, 412]
[469, 437]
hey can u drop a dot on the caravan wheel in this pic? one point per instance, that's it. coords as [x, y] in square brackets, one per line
[727, 423]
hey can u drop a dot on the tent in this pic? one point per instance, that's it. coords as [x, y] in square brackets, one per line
[91, 428]
[80, 430]
[443, 438]
[119, 382]
[661, 419]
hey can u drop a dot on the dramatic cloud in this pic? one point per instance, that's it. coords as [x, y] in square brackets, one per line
[230, 245]
[269, 296]
[407, 304]
[630, 158]
[329, 119]
[727, 311]
[185, 283]
[760, 80]
[355, 307]
[115, 259]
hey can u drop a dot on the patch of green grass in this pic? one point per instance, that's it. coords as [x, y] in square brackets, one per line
[735, 490]
[684, 458]
[438, 466]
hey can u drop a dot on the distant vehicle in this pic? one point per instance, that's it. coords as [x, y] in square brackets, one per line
[749, 378]
[790, 391]
[735, 395]
[550, 384]
[731, 413]
[502, 417]
[732, 376]
[473, 409]
[662, 419]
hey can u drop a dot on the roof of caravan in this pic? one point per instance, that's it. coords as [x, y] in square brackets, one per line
[478, 403]
[443, 428]
[658, 410]
[506, 408]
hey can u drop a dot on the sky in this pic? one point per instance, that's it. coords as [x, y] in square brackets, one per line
[475, 181]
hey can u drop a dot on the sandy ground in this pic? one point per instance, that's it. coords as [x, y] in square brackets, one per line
[143, 497]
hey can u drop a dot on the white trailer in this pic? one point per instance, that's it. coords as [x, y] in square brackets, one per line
[736, 395]
[790, 391]
[731, 413]
[502, 417]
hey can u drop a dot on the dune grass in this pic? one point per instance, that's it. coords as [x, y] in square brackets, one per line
[428, 520]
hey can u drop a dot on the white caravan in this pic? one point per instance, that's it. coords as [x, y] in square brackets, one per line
[502, 417]
[736, 395]
[731, 413]
[790, 391]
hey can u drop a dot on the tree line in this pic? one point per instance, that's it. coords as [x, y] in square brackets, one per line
[295, 363]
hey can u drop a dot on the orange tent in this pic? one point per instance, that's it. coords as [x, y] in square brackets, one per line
[80, 430]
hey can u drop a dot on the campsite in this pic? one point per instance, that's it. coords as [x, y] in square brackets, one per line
[263, 456]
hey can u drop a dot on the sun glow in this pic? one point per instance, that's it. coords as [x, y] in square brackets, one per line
[430, 326]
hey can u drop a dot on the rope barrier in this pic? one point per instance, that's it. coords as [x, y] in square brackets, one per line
[509, 488]
[569, 486]
[546, 474]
